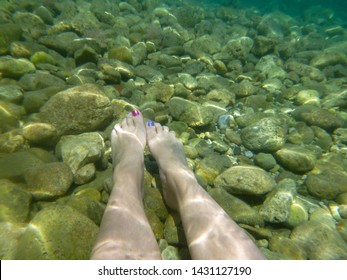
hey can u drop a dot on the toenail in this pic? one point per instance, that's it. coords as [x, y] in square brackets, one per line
[150, 123]
[135, 113]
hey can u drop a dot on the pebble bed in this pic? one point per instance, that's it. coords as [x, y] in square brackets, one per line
[258, 99]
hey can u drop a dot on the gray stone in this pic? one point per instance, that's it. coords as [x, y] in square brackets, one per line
[207, 44]
[15, 67]
[305, 70]
[239, 48]
[76, 110]
[189, 112]
[237, 209]
[319, 241]
[296, 158]
[313, 115]
[49, 180]
[68, 234]
[15, 202]
[64, 43]
[268, 134]
[269, 65]
[78, 150]
[276, 207]
[249, 180]
[139, 53]
[32, 25]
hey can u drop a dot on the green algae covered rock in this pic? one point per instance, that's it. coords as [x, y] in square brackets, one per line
[57, 233]
[76, 110]
[15, 202]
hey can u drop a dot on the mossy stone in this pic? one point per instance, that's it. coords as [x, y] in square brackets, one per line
[57, 233]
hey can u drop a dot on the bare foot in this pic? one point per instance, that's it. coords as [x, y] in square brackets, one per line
[168, 151]
[128, 140]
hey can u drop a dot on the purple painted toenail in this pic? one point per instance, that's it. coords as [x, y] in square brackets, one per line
[150, 123]
[135, 113]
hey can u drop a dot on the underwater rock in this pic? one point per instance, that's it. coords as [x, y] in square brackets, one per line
[76, 110]
[78, 150]
[85, 174]
[121, 53]
[170, 253]
[31, 24]
[245, 88]
[270, 66]
[319, 241]
[249, 180]
[237, 209]
[239, 48]
[40, 133]
[296, 158]
[265, 161]
[87, 206]
[173, 230]
[15, 202]
[328, 58]
[149, 73]
[57, 233]
[308, 97]
[268, 134]
[342, 228]
[9, 33]
[49, 180]
[11, 93]
[9, 235]
[159, 91]
[189, 112]
[156, 224]
[153, 201]
[288, 247]
[276, 207]
[298, 213]
[327, 184]
[14, 165]
[64, 43]
[12, 141]
[313, 115]
[211, 166]
[15, 67]
[206, 43]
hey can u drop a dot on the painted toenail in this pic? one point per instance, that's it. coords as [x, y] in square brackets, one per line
[135, 113]
[150, 123]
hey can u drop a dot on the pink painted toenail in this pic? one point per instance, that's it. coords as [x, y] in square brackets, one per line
[135, 113]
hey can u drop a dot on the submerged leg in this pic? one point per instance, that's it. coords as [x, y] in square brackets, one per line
[125, 232]
[210, 232]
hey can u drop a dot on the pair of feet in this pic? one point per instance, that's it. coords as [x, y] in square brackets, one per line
[129, 139]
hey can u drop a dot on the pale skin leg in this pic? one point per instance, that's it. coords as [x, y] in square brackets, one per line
[210, 232]
[125, 232]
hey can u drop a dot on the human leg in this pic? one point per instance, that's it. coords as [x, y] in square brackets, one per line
[210, 232]
[125, 232]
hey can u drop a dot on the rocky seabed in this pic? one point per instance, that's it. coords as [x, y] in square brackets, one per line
[259, 101]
